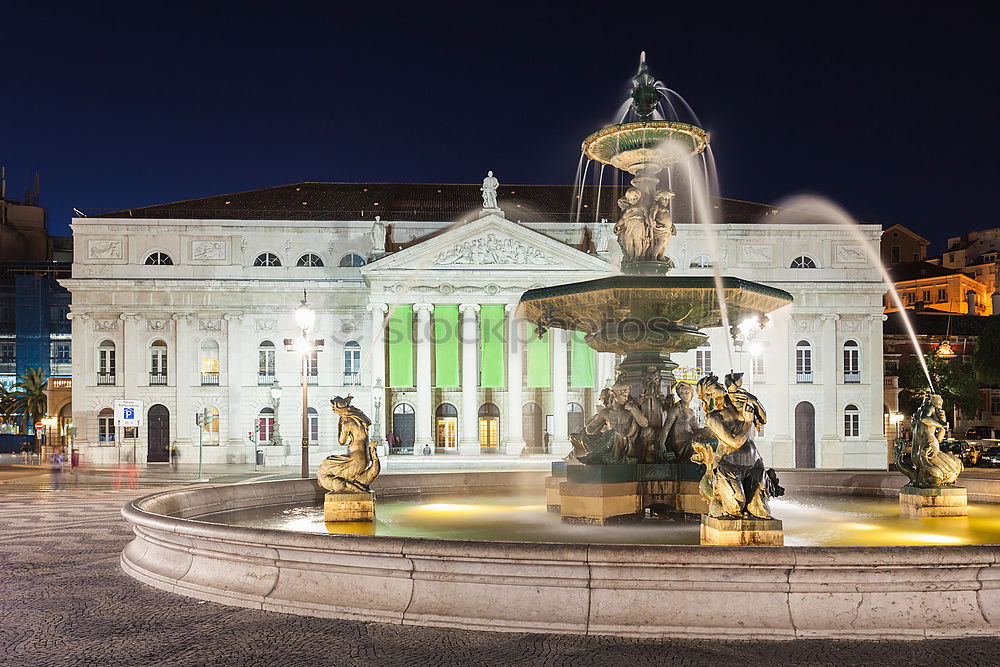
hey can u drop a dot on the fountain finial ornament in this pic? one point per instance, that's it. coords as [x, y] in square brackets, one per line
[489, 190]
[645, 96]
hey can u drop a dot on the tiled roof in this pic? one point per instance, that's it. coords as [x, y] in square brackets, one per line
[413, 201]
[918, 270]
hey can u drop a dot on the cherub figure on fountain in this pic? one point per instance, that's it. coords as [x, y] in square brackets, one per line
[613, 434]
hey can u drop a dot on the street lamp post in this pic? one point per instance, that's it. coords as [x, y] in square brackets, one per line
[305, 319]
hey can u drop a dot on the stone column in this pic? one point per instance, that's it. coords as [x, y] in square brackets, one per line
[830, 449]
[374, 359]
[468, 430]
[184, 366]
[559, 438]
[236, 355]
[422, 428]
[873, 372]
[515, 381]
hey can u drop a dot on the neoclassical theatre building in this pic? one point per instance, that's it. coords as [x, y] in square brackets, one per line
[186, 306]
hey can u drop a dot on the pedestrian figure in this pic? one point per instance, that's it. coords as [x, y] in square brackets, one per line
[175, 456]
[25, 453]
[57, 468]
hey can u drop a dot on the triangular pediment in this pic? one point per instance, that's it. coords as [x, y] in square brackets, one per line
[490, 243]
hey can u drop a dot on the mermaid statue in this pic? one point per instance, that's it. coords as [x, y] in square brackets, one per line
[928, 467]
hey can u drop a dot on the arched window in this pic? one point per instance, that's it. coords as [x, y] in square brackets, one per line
[267, 259]
[703, 358]
[701, 262]
[803, 262]
[209, 426]
[352, 363]
[106, 363]
[803, 362]
[106, 425]
[265, 363]
[489, 426]
[265, 426]
[352, 259]
[852, 362]
[403, 424]
[313, 426]
[209, 362]
[158, 259]
[309, 259]
[158, 363]
[852, 421]
[446, 426]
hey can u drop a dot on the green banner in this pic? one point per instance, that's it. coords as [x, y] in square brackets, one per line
[538, 361]
[491, 361]
[584, 361]
[446, 347]
[400, 337]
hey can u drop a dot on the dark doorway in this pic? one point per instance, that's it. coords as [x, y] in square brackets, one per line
[531, 426]
[158, 435]
[574, 418]
[403, 424]
[805, 435]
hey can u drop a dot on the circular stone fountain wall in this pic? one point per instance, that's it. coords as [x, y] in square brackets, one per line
[626, 590]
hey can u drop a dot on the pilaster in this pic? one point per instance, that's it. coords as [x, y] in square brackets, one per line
[184, 366]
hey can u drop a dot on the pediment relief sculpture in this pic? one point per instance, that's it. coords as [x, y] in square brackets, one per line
[493, 250]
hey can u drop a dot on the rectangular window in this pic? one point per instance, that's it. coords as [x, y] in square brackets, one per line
[803, 365]
[852, 424]
[852, 365]
[106, 428]
[352, 360]
[265, 362]
[894, 255]
[703, 360]
[995, 404]
[313, 429]
[925, 296]
[265, 429]
[942, 295]
[757, 363]
[312, 366]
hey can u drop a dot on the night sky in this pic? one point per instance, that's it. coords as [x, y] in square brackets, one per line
[889, 111]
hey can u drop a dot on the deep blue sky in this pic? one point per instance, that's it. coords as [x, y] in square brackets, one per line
[889, 111]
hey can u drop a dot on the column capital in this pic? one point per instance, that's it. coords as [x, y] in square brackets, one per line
[233, 316]
[468, 307]
[181, 316]
[829, 318]
[383, 307]
[511, 307]
[423, 307]
[876, 316]
[130, 316]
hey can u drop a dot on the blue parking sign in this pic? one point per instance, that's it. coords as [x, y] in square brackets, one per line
[128, 413]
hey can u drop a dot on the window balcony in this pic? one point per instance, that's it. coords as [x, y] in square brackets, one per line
[352, 379]
[210, 379]
[105, 380]
[312, 379]
[890, 382]
[852, 377]
[265, 379]
[804, 378]
[157, 379]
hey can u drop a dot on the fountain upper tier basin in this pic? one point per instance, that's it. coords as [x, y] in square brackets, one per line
[645, 145]
[634, 312]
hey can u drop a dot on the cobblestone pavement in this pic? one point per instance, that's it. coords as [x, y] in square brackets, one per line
[64, 601]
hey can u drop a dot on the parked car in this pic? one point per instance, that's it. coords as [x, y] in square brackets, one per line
[968, 452]
[991, 457]
[983, 433]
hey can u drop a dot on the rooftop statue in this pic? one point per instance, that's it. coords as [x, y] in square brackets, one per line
[735, 484]
[928, 467]
[355, 471]
[489, 190]
[378, 235]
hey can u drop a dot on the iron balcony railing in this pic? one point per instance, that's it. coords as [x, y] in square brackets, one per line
[157, 379]
[803, 377]
[210, 379]
[890, 382]
[104, 379]
[352, 379]
[265, 379]
[312, 379]
[852, 377]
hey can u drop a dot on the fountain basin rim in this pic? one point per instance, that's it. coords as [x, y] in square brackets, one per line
[644, 282]
[684, 591]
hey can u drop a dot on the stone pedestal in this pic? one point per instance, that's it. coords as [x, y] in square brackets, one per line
[742, 532]
[601, 504]
[940, 501]
[339, 507]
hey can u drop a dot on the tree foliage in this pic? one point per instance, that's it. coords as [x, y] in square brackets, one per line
[954, 380]
[28, 398]
[986, 358]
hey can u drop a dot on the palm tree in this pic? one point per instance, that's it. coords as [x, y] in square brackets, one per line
[30, 399]
[7, 410]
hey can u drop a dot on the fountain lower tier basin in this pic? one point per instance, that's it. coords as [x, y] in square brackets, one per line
[642, 312]
[490, 581]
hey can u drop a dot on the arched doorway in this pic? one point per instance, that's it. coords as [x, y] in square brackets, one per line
[158, 434]
[531, 425]
[805, 435]
[489, 428]
[403, 425]
[446, 427]
[574, 417]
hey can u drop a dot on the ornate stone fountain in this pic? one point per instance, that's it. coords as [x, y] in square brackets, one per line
[932, 472]
[635, 453]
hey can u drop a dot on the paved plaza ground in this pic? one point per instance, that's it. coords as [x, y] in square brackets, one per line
[64, 601]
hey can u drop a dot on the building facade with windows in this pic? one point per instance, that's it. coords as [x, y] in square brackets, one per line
[187, 306]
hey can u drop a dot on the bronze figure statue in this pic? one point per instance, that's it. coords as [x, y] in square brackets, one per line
[680, 426]
[735, 484]
[928, 467]
[356, 470]
[613, 434]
